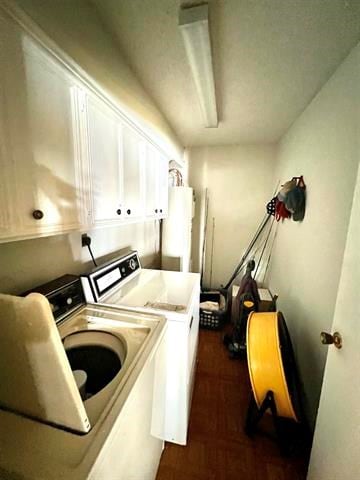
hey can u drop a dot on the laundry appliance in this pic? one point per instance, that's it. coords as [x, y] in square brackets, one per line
[122, 282]
[72, 378]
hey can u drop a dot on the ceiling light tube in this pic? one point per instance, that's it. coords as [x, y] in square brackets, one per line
[194, 26]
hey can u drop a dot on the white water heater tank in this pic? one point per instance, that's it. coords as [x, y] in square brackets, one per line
[176, 231]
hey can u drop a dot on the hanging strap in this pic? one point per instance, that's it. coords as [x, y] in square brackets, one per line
[299, 181]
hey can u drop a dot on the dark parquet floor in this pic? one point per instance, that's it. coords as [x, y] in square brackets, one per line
[218, 448]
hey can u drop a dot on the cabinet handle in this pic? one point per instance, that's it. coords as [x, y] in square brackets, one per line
[118, 211]
[191, 322]
[128, 211]
[38, 214]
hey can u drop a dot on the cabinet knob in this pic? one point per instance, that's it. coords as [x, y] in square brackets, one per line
[160, 210]
[118, 211]
[156, 210]
[128, 211]
[38, 214]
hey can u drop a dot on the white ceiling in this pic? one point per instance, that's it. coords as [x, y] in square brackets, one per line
[270, 58]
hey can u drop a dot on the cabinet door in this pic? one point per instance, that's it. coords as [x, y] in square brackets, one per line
[106, 171]
[6, 175]
[151, 181]
[163, 186]
[47, 162]
[6, 179]
[156, 183]
[133, 157]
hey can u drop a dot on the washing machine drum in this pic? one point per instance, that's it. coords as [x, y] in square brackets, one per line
[98, 354]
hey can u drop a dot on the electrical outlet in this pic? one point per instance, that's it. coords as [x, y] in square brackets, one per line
[85, 240]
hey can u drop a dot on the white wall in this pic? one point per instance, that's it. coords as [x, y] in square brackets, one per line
[75, 27]
[29, 263]
[322, 145]
[240, 181]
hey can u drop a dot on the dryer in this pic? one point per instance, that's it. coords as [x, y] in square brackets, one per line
[123, 283]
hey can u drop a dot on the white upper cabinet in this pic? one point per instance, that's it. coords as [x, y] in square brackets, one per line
[43, 163]
[6, 174]
[156, 183]
[8, 34]
[133, 157]
[151, 181]
[106, 162]
[6, 205]
[163, 176]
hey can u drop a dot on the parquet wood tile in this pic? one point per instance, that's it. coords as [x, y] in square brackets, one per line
[218, 448]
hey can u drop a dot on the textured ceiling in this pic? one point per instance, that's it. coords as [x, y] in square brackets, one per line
[270, 58]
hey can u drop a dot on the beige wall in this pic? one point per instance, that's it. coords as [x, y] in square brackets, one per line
[74, 26]
[323, 145]
[29, 263]
[240, 181]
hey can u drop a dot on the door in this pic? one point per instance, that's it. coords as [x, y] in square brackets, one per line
[336, 446]
[106, 168]
[163, 185]
[156, 183]
[5, 183]
[6, 178]
[151, 182]
[47, 166]
[133, 156]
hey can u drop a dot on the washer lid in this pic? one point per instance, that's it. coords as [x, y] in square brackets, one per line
[36, 378]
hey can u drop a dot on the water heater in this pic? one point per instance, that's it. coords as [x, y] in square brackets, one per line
[176, 231]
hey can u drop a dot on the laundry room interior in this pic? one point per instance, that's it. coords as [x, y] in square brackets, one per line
[179, 231]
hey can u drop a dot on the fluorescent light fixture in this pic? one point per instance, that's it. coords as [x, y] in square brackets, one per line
[194, 26]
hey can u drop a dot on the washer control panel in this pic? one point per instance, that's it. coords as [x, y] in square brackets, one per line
[110, 275]
[65, 295]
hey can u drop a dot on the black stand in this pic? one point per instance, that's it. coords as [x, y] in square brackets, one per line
[254, 415]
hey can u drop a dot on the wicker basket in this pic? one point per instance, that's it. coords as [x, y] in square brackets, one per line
[212, 319]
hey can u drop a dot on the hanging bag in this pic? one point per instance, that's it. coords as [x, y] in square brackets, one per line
[296, 199]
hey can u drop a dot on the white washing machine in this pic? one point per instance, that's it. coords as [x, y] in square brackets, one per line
[122, 282]
[53, 427]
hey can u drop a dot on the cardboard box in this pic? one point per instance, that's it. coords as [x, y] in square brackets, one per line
[266, 300]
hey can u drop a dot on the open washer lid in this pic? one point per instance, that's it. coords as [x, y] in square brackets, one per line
[36, 378]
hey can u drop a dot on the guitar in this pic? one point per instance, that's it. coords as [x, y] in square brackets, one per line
[271, 363]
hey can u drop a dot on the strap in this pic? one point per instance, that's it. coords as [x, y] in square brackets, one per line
[299, 181]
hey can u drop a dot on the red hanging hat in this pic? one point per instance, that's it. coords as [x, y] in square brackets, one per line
[281, 211]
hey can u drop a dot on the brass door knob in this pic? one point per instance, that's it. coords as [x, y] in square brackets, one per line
[328, 339]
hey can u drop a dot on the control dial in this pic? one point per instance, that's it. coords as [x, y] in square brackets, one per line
[132, 264]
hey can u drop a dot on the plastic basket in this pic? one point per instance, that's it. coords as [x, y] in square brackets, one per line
[212, 319]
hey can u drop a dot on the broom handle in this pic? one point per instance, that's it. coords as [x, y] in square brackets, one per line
[248, 250]
[252, 243]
